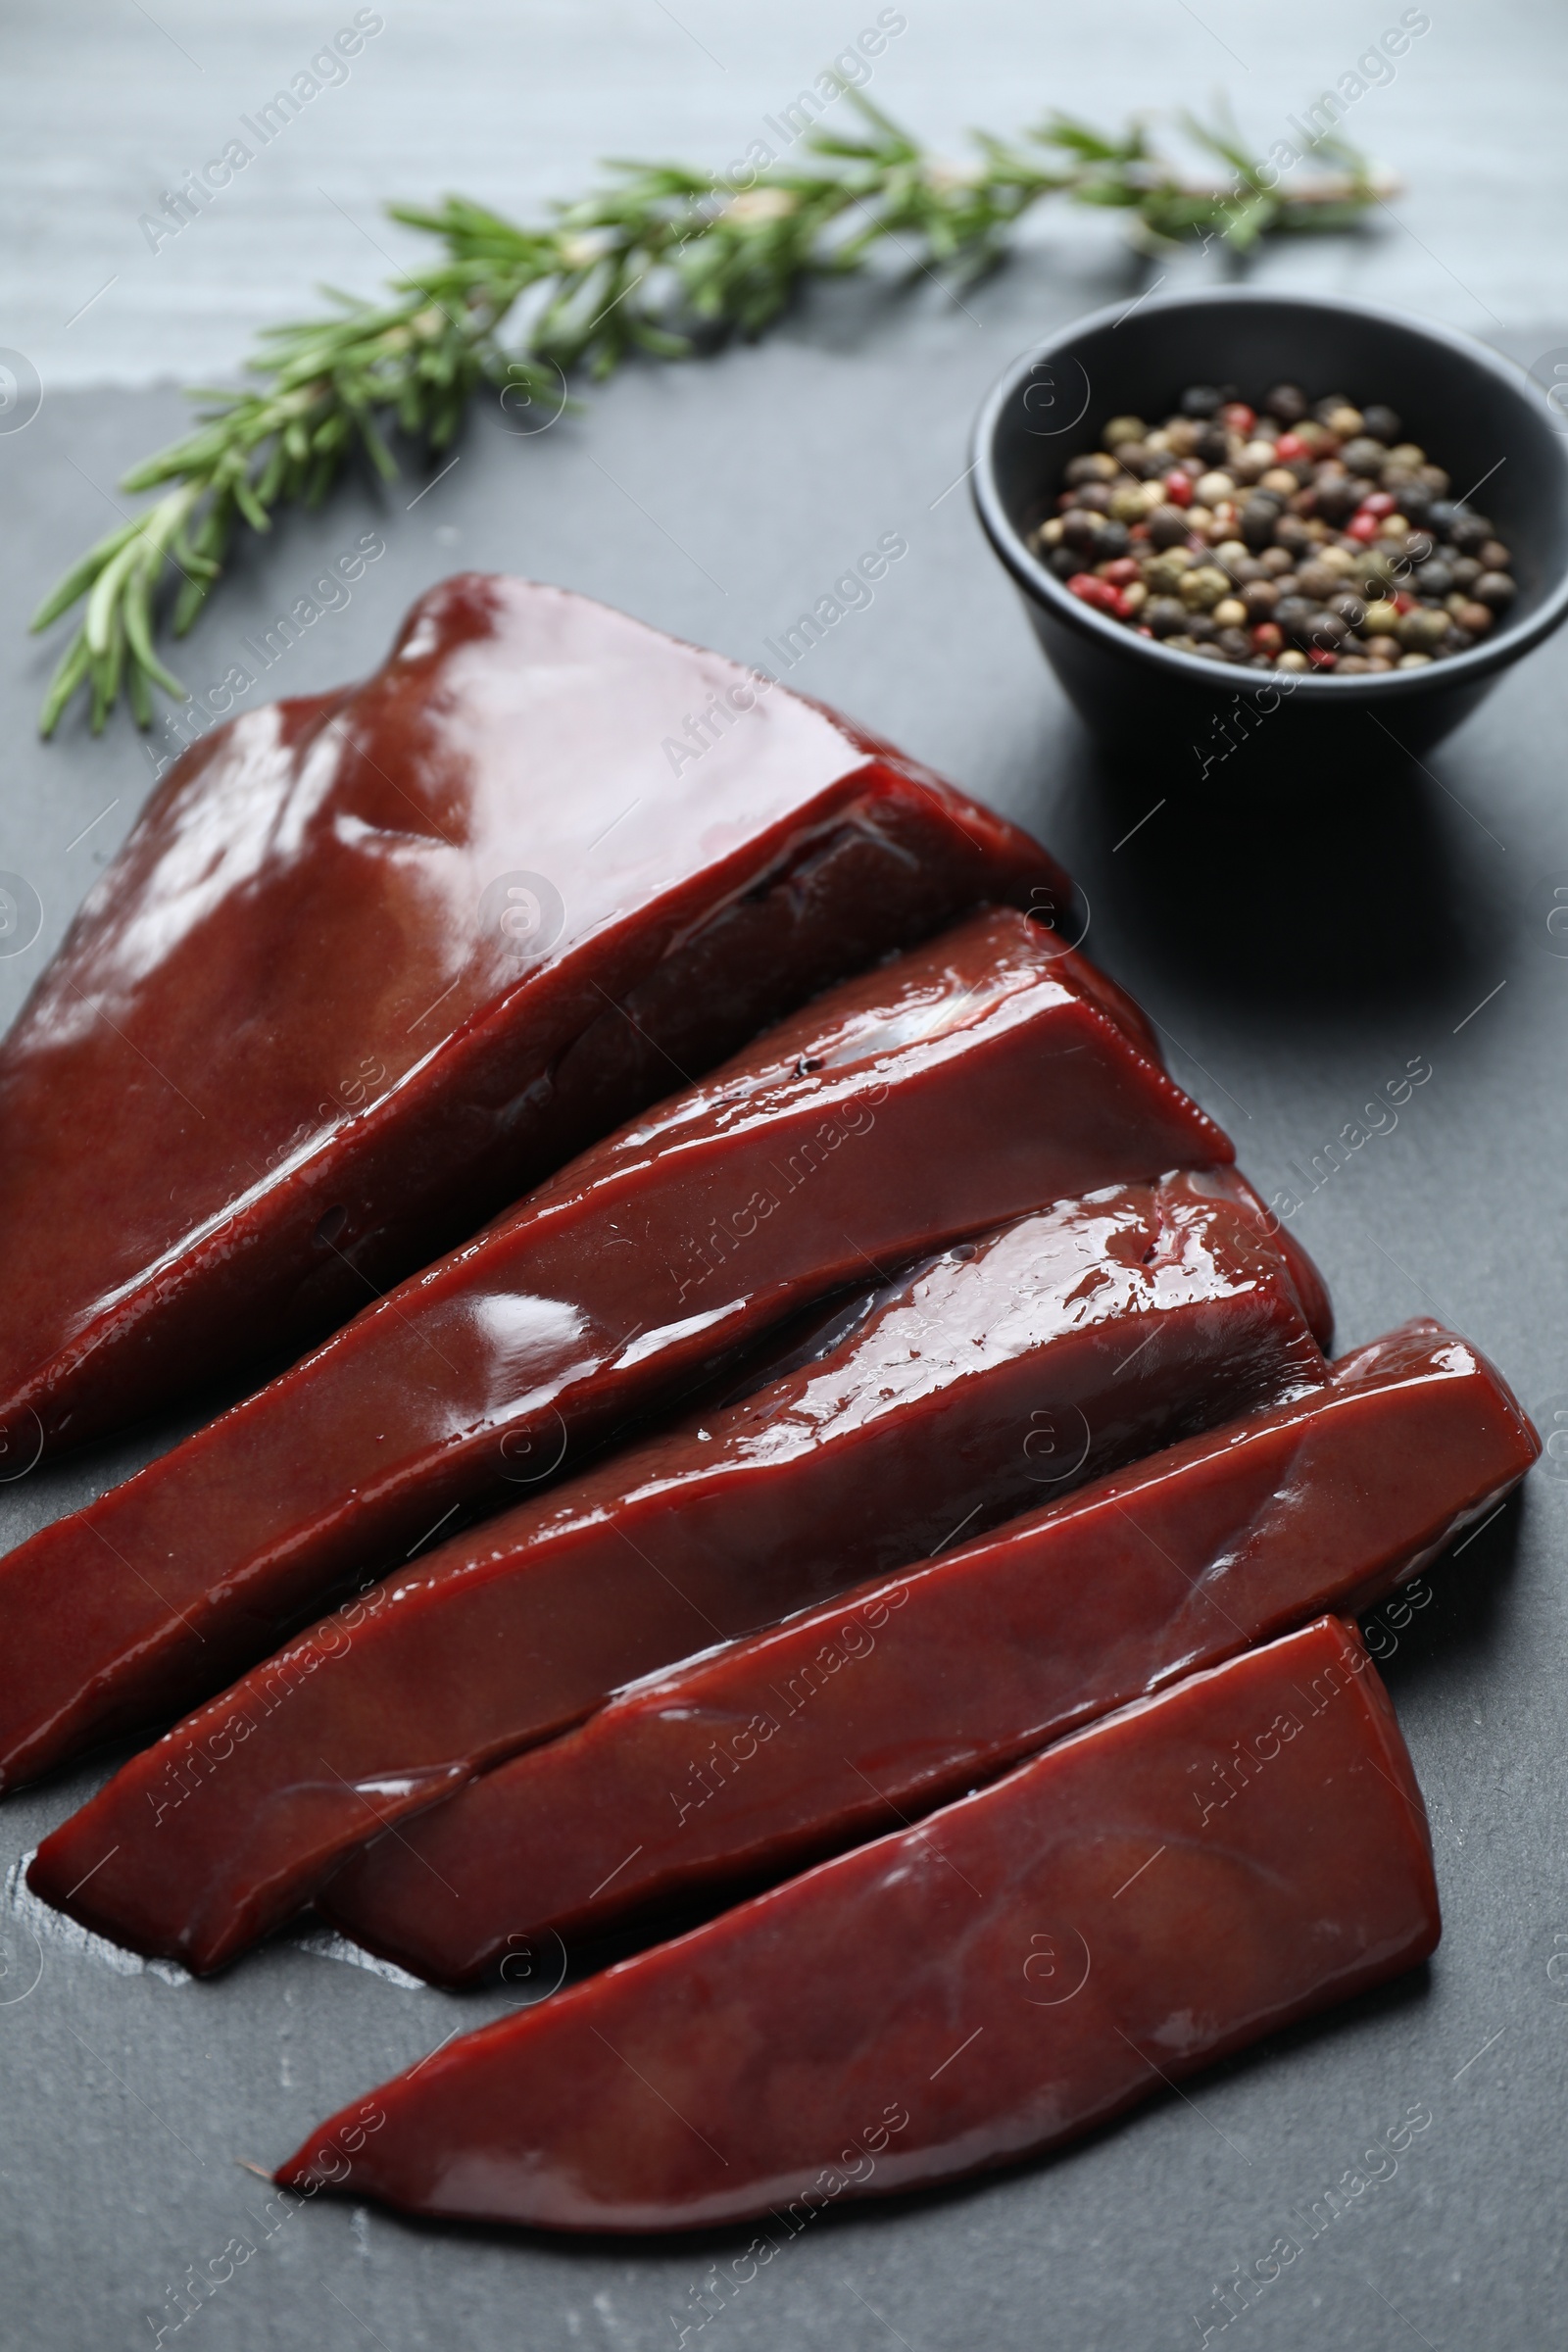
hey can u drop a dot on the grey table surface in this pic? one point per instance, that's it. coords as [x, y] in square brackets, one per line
[1296, 951]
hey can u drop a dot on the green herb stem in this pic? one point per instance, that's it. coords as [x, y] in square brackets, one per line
[664, 261]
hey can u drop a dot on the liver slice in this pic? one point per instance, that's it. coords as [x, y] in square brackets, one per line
[1159, 1890]
[300, 1038]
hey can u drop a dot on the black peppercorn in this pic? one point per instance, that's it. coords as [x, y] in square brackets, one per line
[1470, 534]
[1114, 541]
[1213, 445]
[1382, 423]
[1168, 527]
[1287, 402]
[1443, 515]
[1166, 615]
[1433, 579]
[1494, 588]
[1351, 609]
[1064, 561]
[1295, 614]
[1258, 520]
[1466, 571]
[1080, 529]
[1292, 533]
[1339, 497]
[1365, 454]
[1200, 400]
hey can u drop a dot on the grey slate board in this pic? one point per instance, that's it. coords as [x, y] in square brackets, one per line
[1296, 955]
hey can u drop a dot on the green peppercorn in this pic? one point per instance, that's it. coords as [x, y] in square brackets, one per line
[1202, 587]
[1093, 466]
[1422, 629]
[1165, 573]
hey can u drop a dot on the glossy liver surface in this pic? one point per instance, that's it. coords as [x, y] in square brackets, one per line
[968, 1081]
[1138, 1315]
[1163, 1887]
[372, 962]
[849, 1718]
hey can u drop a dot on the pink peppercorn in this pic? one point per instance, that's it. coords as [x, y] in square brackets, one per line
[1098, 593]
[1179, 489]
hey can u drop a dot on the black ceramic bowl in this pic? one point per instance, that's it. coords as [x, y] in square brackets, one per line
[1476, 415]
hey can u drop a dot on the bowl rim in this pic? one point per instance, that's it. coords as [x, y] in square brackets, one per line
[1478, 661]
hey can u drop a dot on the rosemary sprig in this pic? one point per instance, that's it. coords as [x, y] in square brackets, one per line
[662, 260]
